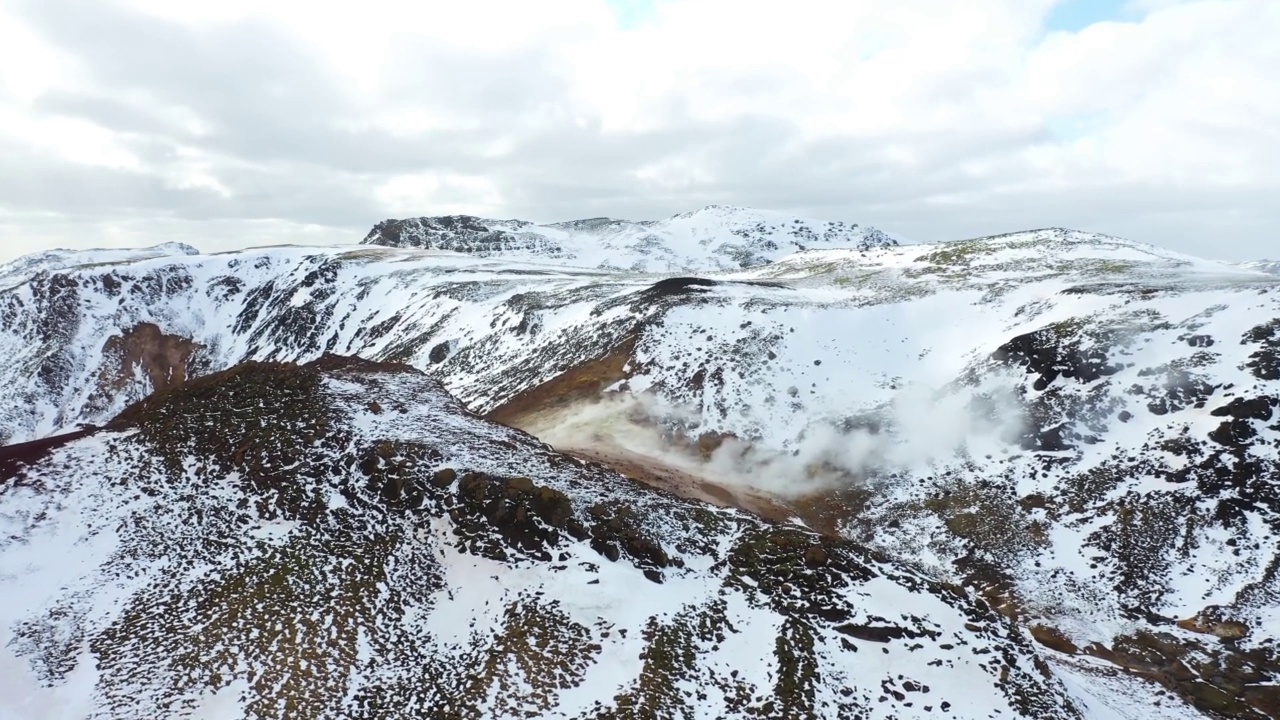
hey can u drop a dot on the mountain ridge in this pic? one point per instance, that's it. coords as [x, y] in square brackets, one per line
[1271, 267]
[716, 237]
[1078, 428]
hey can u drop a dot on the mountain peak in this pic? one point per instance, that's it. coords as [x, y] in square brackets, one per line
[713, 238]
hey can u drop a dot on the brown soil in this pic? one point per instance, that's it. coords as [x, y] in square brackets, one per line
[679, 482]
[583, 382]
[164, 358]
[587, 382]
[14, 457]
[1053, 639]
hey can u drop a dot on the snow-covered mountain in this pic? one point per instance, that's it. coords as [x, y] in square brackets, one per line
[51, 261]
[345, 540]
[1078, 428]
[713, 238]
[1267, 266]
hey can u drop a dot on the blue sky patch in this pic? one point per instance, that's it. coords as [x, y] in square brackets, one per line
[1069, 128]
[1076, 15]
[631, 13]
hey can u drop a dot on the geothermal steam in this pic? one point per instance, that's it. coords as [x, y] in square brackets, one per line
[915, 431]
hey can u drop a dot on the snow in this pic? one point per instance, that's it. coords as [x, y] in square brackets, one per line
[48, 261]
[1271, 267]
[224, 703]
[714, 238]
[786, 351]
[64, 545]
[23, 697]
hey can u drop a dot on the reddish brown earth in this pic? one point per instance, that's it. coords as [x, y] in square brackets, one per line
[685, 484]
[14, 457]
[586, 383]
[163, 358]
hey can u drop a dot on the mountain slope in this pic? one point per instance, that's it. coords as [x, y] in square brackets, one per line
[713, 238]
[1081, 428]
[345, 540]
[52, 261]
[1267, 266]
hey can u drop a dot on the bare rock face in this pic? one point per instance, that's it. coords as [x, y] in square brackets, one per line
[461, 233]
[162, 358]
[713, 238]
[137, 362]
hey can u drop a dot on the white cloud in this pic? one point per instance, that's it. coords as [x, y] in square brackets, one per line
[1189, 94]
[72, 139]
[447, 194]
[939, 120]
[29, 65]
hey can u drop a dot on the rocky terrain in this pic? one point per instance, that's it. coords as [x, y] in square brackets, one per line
[1078, 430]
[343, 539]
[713, 238]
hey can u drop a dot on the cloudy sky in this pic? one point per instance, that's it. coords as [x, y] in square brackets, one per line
[249, 122]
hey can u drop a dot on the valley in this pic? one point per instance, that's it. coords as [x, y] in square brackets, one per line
[1070, 436]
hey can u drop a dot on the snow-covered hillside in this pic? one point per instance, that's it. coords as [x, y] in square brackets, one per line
[1267, 266]
[1081, 428]
[344, 540]
[713, 238]
[54, 260]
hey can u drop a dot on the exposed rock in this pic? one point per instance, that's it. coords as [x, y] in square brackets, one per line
[163, 358]
[1054, 352]
[1258, 408]
[1053, 639]
[872, 634]
[1214, 620]
[439, 353]
[815, 556]
[444, 478]
[1265, 362]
